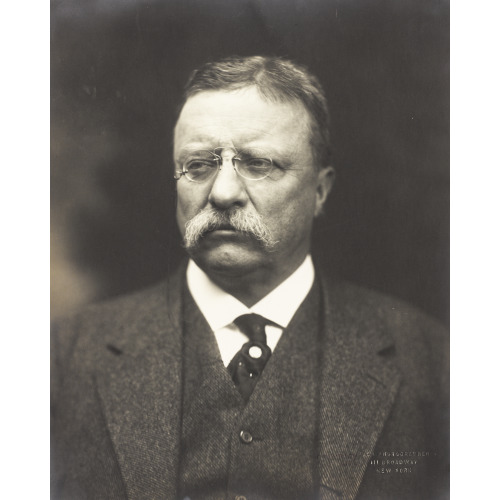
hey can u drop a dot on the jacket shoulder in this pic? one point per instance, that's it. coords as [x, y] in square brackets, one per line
[375, 309]
[419, 342]
[125, 320]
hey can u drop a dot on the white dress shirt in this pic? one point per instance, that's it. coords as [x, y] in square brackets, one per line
[221, 309]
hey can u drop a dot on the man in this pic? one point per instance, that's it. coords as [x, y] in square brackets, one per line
[247, 375]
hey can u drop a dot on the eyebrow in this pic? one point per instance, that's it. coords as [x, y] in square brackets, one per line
[280, 156]
[283, 158]
[191, 148]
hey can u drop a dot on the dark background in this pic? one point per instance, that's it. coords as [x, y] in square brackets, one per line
[117, 74]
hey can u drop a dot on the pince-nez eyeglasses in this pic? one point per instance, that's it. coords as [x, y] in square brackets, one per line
[202, 166]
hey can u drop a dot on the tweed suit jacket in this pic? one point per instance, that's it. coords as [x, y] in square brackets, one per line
[117, 390]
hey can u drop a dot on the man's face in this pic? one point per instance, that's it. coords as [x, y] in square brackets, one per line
[285, 203]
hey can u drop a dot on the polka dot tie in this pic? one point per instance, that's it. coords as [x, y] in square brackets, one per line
[248, 363]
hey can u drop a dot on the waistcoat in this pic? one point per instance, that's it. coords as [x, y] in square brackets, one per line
[265, 449]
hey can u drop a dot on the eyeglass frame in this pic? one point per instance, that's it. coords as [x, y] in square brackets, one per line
[220, 160]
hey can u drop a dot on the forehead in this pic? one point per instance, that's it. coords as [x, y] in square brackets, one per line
[237, 118]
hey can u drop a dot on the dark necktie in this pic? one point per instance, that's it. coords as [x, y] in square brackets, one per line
[247, 365]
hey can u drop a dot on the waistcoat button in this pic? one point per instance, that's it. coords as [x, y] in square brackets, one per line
[246, 437]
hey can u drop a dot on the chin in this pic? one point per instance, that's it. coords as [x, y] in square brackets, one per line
[229, 260]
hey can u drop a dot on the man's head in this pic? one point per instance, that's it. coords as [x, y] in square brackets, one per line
[252, 153]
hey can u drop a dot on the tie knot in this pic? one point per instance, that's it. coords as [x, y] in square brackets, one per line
[253, 326]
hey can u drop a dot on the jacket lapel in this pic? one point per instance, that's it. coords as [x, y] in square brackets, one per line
[358, 389]
[140, 392]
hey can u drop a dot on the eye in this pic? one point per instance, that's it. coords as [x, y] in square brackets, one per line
[199, 164]
[258, 163]
[254, 164]
[199, 167]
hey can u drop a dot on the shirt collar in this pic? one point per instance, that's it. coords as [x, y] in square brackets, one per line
[279, 305]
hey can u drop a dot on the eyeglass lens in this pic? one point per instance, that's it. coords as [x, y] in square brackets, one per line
[201, 166]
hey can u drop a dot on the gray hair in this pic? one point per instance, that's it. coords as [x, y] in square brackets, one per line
[276, 79]
[211, 218]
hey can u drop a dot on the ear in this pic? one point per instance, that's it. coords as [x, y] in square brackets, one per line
[326, 178]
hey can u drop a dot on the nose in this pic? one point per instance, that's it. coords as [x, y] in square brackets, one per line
[228, 188]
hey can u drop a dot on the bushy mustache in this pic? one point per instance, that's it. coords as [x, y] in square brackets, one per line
[211, 219]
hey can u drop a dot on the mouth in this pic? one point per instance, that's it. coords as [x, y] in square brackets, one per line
[223, 227]
[224, 231]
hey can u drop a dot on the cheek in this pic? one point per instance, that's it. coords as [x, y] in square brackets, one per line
[188, 205]
[288, 211]
[181, 219]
